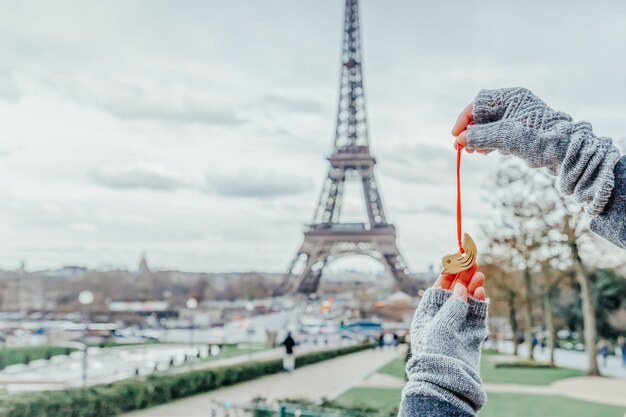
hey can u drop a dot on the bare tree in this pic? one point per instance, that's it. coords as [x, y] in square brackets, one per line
[551, 278]
[572, 231]
[502, 285]
[540, 225]
[521, 232]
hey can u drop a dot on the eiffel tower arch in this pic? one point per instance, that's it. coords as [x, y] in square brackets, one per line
[327, 238]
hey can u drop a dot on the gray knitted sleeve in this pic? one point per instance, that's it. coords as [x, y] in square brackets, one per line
[514, 121]
[446, 339]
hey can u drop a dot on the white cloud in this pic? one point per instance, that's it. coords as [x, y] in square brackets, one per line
[248, 183]
[133, 102]
[154, 177]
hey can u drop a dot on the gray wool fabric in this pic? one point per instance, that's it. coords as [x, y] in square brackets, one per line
[515, 121]
[446, 335]
[611, 223]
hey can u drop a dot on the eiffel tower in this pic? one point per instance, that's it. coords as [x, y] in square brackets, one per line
[327, 238]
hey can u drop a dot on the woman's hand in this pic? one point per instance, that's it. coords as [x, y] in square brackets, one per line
[472, 284]
[446, 335]
[459, 131]
[516, 122]
[460, 126]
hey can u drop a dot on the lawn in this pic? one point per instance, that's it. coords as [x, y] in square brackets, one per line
[498, 405]
[383, 399]
[112, 344]
[228, 351]
[395, 368]
[526, 376]
[490, 374]
[25, 354]
[525, 405]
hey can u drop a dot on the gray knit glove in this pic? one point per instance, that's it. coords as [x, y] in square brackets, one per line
[515, 121]
[446, 335]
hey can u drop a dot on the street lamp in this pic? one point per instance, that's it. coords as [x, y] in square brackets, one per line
[85, 298]
[191, 304]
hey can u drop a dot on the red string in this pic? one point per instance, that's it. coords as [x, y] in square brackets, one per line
[458, 197]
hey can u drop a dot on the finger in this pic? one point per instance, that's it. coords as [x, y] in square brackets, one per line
[478, 280]
[462, 138]
[469, 150]
[460, 292]
[480, 294]
[483, 151]
[445, 281]
[463, 120]
[437, 283]
[464, 277]
[456, 143]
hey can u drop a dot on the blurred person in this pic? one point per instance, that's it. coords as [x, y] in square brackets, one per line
[621, 343]
[388, 340]
[516, 122]
[603, 350]
[381, 340]
[535, 343]
[447, 332]
[289, 360]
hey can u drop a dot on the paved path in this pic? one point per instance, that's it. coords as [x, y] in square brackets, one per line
[323, 380]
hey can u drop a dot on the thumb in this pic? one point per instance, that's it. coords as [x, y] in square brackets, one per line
[490, 136]
[453, 313]
[460, 292]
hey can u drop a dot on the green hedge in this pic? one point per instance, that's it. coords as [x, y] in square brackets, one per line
[111, 399]
[523, 363]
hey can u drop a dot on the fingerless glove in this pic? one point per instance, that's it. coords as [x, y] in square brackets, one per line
[515, 121]
[446, 335]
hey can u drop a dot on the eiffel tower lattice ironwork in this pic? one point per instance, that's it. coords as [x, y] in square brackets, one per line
[328, 238]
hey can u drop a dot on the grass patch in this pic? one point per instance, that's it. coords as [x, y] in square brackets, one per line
[386, 400]
[523, 375]
[25, 354]
[525, 405]
[112, 344]
[394, 368]
[501, 375]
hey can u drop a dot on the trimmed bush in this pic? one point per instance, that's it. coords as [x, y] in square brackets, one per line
[108, 400]
[522, 364]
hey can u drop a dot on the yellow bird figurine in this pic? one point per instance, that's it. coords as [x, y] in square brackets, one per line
[457, 262]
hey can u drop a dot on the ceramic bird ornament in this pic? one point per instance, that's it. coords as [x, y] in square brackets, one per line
[457, 262]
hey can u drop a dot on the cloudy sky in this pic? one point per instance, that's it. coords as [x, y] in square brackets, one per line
[196, 130]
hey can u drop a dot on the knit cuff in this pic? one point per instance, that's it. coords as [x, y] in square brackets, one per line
[477, 309]
[588, 166]
[446, 377]
[602, 196]
[606, 182]
[434, 298]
